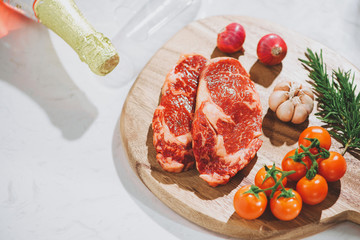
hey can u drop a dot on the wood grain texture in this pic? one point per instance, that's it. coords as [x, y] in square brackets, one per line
[190, 196]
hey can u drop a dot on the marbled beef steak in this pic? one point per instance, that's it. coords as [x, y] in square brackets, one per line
[227, 121]
[173, 117]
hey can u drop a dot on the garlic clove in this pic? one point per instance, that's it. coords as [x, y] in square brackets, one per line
[308, 92]
[276, 98]
[283, 86]
[300, 114]
[307, 102]
[285, 111]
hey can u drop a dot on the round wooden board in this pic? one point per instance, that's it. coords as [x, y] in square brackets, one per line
[190, 196]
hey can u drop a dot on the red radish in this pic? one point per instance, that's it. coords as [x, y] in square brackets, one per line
[271, 49]
[231, 39]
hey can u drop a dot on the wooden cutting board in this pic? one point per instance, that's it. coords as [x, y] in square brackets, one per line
[190, 196]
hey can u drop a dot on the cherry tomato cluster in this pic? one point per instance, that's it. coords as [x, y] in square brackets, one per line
[271, 48]
[314, 165]
[250, 201]
[311, 165]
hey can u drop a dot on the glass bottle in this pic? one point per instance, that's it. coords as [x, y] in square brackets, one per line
[64, 18]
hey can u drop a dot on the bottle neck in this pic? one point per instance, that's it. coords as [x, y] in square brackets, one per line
[65, 19]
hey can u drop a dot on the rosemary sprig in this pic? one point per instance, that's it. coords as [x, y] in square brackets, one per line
[338, 103]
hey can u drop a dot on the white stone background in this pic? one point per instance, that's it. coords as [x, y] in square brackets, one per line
[63, 173]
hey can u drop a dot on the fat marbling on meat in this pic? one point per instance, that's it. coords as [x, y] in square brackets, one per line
[172, 120]
[227, 121]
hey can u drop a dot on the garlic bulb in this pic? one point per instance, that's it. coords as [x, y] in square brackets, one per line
[291, 101]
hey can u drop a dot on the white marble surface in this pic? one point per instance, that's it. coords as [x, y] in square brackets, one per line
[63, 173]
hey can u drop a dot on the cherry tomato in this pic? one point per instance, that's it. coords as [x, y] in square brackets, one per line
[312, 191]
[289, 164]
[285, 208]
[332, 168]
[315, 132]
[260, 176]
[247, 205]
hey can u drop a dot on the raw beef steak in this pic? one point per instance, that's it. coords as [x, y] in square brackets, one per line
[227, 121]
[173, 117]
